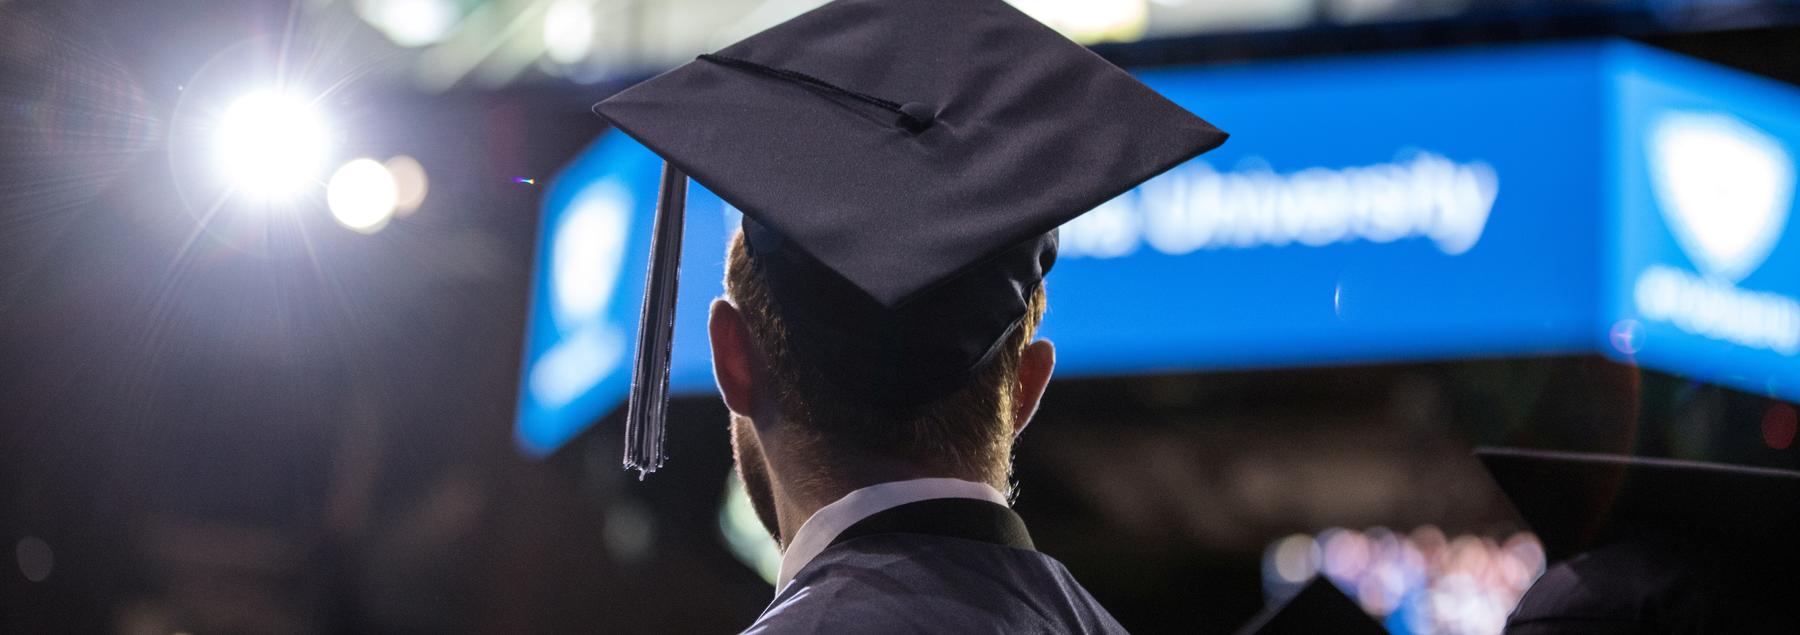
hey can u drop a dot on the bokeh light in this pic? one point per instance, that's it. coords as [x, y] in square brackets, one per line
[1090, 22]
[630, 532]
[36, 561]
[569, 30]
[270, 145]
[744, 533]
[1420, 582]
[1295, 559]
[362, 195]
[1779, 426]
[411, 22]
[410, 183]
[1626, 336]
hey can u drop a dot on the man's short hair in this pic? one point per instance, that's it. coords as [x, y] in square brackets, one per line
[968, 431]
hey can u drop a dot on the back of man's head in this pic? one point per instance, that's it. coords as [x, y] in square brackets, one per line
[968, 432]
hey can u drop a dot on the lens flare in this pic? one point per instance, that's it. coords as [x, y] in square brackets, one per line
[270, 145]
[410, 178]
[362, 195]
[569, 30]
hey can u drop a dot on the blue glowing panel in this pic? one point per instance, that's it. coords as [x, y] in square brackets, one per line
[1706, 270]
[1404, 207]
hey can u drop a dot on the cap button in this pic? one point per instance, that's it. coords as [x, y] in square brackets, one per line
[916, 117]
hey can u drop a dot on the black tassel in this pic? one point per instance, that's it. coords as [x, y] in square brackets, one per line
[645, 413]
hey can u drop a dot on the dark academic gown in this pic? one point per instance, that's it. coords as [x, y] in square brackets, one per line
[935, 566]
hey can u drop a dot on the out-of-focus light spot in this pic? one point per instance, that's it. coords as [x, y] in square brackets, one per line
[1432, 544]
[1380, 592]
[270, 145]
[1087, 21]
[629, 532]
[1346, 554]
[411, 22]
[1468, 554]
[1627, 336]
[744, 533]
[410, 184]
[1358, 11]
[1779, 426]
[569, 30]
[525, 181]
[1525, 555]
[35, 558]
[362, 195]
[1421, 581]
[1295, 558]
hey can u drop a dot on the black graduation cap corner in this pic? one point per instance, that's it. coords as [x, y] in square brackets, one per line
[1318, 608]
[1574, 501]
[1640, 545]
[902, 166]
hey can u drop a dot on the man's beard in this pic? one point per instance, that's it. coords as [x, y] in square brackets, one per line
[753, 471]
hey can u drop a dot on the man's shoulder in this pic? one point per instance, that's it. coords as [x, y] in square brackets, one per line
[901, 583]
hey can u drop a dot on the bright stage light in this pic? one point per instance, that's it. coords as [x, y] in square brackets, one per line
[362, 195]
[1091, 22]
[569, 30]
[270, 145]
[411, 22]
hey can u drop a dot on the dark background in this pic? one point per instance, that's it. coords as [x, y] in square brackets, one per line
[312, 434]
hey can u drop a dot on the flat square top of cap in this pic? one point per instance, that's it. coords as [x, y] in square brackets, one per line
[1577, 500]
[1011, 131]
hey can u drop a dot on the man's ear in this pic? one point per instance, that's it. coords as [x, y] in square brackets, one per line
[1035, 367]
[735, 359]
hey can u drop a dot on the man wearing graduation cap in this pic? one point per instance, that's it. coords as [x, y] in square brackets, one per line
[902, 166]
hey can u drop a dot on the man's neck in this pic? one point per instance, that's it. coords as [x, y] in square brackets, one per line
[801, 492]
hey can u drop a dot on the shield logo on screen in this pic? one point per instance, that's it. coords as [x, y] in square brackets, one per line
[1724, 187]
[587, 252]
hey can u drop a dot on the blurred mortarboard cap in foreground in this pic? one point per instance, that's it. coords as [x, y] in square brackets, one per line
[1577, 500]
[1319, 608]
[902, 166]
[1654, 545]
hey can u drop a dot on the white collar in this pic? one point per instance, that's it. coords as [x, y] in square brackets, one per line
[824, 526]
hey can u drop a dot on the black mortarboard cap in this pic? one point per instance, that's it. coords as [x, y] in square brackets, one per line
[1577, 500]
[1641, 545]
[902, 166]
[1319, 607]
